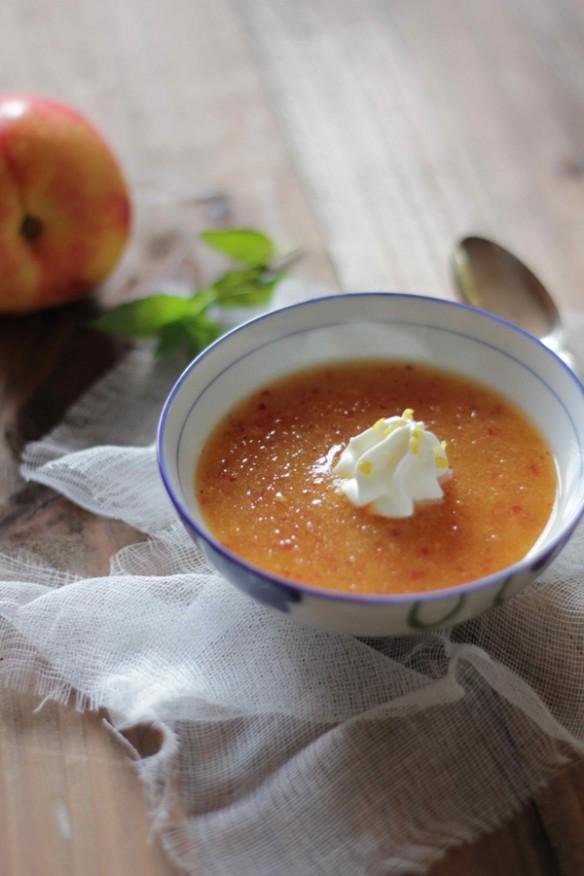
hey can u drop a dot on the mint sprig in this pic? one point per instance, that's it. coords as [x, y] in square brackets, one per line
[184, 322]
[243, 245]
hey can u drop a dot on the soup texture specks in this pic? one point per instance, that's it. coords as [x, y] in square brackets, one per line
[268, 493]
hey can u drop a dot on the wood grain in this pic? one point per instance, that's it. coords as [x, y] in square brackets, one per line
[415, 123]
[369, 133]
[71, 801]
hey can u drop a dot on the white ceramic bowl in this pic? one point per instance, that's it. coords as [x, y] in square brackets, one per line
[363, 326]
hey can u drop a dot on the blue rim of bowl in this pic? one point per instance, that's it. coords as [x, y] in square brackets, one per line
[338, 596]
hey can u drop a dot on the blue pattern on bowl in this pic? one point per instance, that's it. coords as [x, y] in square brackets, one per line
[263, 589]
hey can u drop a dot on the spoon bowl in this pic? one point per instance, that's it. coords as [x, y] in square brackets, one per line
[490, 277]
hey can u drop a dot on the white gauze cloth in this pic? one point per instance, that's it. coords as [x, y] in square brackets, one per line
[285, 750]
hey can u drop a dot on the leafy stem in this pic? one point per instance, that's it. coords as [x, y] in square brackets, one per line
[254, 272]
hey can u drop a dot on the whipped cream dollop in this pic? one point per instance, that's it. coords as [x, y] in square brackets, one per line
[392, 466]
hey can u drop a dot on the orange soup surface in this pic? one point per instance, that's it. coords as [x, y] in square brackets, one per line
[267, 492]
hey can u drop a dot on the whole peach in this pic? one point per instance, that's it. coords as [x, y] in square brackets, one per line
[64, 205]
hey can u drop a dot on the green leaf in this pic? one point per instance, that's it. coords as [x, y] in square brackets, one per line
[171, 337]
[145, 317]
[242, 244]
[201, 332]
[202, 300]
[194, 334]
[249, 288]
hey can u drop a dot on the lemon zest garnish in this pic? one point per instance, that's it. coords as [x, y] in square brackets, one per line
[443, 445]
[391, 429]
[440, 459]
[365, 467]
[379, 423]
[408, 414]
[415, 440]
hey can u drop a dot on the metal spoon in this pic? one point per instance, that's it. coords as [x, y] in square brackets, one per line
[489, 276]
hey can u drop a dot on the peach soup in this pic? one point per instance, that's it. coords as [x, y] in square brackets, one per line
[376, 477]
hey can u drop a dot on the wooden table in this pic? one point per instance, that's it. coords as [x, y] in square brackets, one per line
[370, 133]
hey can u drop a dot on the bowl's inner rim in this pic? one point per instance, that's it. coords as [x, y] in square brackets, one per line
[541, 546]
